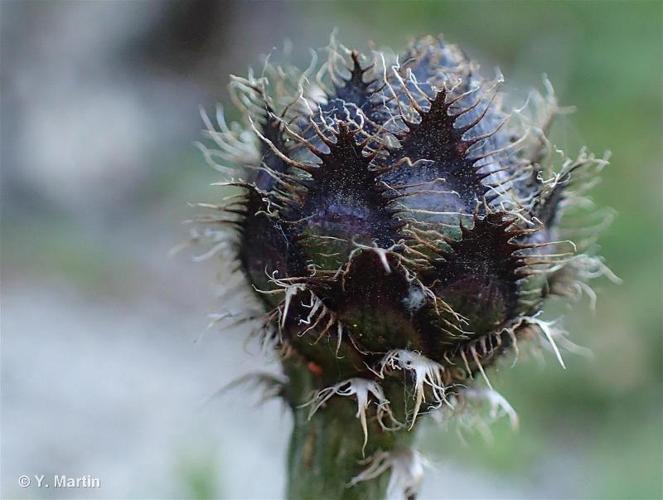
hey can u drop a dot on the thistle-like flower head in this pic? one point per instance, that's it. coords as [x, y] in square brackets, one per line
[396, 216]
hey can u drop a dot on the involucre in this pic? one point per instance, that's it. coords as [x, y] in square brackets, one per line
[401, 228]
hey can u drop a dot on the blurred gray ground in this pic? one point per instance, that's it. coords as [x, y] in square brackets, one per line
[106, 366]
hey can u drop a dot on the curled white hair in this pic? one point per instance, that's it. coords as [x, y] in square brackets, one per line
[426, 373]
[364, 390]
[407, 471]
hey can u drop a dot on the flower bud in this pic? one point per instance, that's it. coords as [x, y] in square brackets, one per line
[400, 224]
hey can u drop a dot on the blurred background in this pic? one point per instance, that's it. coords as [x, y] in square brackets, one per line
[107, 365]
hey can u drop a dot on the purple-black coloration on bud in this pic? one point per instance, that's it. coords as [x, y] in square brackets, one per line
[400, 226]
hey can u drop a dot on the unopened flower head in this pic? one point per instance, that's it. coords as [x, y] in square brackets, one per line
[400, 224]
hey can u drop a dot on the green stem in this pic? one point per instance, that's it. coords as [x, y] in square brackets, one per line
[326, 450]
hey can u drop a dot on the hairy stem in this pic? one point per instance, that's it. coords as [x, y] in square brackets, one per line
[325, 451]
